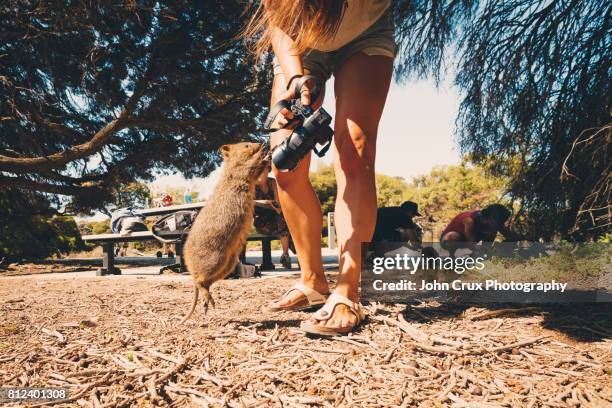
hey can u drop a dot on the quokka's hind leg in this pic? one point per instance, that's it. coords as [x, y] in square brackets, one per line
[231, 266]
[197, 289]
[207, 297]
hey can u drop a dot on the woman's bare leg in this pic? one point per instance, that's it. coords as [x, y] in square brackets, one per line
[302, 212]
[361, 87]
[285, 244]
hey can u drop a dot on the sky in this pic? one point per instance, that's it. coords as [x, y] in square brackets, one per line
[415, 134]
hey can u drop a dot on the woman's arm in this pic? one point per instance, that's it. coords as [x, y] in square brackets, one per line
[286, 54]
[291, 64]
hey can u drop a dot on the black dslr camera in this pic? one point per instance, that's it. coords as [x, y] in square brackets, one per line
[311, 128]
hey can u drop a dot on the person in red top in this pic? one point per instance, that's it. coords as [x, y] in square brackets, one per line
[471, 227]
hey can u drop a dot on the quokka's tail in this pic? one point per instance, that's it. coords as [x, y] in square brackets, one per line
[208, 299]
[194, 303]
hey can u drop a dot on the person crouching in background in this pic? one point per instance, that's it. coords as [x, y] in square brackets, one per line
[395, 227]
[469, 228]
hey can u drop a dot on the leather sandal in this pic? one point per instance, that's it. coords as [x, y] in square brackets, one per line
[311, 299]
[326, 312]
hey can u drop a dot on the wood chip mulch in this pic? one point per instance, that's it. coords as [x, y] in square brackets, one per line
[112, 342]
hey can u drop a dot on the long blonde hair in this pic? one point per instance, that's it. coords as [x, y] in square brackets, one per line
[305, 21]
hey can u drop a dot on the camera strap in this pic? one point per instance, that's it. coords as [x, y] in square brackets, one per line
[289, 103]
[274, 111]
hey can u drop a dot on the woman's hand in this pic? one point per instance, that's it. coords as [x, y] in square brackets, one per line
[305, 97]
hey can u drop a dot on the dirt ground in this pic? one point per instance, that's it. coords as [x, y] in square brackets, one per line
[111, 341]
[18, 269]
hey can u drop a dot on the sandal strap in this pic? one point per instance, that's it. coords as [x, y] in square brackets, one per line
[325, 313]
[313, 297]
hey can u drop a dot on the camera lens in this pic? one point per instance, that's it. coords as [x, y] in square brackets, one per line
[284, 158]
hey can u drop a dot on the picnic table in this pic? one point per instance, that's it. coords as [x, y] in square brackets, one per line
[108, 241]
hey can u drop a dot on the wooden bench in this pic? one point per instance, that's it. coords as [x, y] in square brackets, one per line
[108, 241]
[266, 250]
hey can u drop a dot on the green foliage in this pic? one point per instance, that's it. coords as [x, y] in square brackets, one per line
[391, 191]
[569, 262]
[133, 194]
[324, 182]
[110, 93]
[441, 194]
[447, 191]
[31, 231]
[605, 239]
[66, 236]
[95, 227]
[535, 80]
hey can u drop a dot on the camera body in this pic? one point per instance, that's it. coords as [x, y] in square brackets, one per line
[312, 128]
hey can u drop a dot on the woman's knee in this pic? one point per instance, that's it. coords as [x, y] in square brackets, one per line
[285, 180]
[356, 148]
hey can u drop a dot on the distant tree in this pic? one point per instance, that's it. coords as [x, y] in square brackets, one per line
[440, 194]
[95, 227]
[95, 95]
[390, 191]
[67, 237]
[324, 183]
[447, 191]
[535, 75]
[133, 194]
[31, 230]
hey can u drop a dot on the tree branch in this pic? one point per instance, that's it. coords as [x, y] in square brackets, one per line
[102, 137]
[73, 180]
[183, 123]
[46, 187]
[60, 159]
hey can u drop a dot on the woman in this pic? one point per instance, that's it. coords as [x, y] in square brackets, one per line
[353, 40]
[269, 220]
[469, 228]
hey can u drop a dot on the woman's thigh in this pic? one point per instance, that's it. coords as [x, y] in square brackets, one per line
[361, 87]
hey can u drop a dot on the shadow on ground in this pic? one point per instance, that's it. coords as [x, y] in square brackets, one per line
[585, 322]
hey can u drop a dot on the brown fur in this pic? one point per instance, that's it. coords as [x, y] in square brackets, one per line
[220, 230]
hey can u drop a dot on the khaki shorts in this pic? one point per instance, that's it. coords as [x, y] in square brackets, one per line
[376, 40]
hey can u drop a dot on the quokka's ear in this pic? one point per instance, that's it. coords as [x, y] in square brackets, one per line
[225, 151]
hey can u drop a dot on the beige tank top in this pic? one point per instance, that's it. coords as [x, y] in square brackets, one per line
[358, 16]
